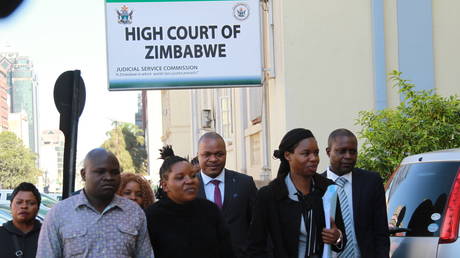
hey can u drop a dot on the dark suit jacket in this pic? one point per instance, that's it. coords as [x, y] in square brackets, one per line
[275, 227]
[370, 214]
[239, 198]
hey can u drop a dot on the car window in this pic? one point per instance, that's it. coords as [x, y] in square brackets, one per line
[5, 213]
[48, 201]
[5, 209]
[417, 196]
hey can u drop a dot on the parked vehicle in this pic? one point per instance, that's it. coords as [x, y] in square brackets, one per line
[56, 196]
[423, 200]
[5, 216]
[5, 195]
[48, 201]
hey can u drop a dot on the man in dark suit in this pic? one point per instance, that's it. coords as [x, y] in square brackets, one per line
[233, 192]
[363, 191]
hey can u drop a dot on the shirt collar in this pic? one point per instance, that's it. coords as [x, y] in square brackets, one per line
[333, 176]
[292, 190]
[207, 179]
[82, 200]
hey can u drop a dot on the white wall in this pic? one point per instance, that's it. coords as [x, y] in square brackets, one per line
[326, 61]
[446, 42]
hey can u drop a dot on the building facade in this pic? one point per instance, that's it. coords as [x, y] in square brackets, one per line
[4, 100]
[51, 160]
[19, 125]
[23, 85]
[140, 116]
[323, 63]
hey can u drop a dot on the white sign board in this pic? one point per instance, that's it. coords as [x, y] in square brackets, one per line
[164, 44]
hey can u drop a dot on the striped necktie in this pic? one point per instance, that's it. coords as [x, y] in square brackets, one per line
[350, 250]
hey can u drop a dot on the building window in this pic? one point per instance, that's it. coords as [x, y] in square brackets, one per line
[226, 116]
[255, 148]
[255, 96]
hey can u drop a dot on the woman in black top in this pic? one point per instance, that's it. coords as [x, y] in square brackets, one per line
[181, 225]
[289, 218]
[20, 235]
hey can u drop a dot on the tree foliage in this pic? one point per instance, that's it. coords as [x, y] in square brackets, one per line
[422, 122]
[17, 163]
[126, 141]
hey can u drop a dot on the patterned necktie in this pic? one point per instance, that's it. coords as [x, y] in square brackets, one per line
[217, 195]
[350, 250]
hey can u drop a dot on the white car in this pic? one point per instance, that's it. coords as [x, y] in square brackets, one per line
[423, 202]
[5, 195]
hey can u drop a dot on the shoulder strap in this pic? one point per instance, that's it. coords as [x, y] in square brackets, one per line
[17, 247]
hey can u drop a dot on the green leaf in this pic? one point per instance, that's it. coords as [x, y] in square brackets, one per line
[127, 142]
[17, 163]
[422, 122]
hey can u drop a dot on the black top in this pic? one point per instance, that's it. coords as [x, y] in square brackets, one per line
[194, 229]
[28, 242]
[275, 226]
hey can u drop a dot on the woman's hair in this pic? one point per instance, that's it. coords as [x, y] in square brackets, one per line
[147, 193]
[169, 159]
[195, 161]
[27, 187]
[289, 142]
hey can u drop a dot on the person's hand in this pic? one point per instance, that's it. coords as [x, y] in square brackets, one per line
[330, 236]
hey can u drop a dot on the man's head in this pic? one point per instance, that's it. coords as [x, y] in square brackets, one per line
[25, 202]
[212, 154]
[101, 173]
[342, 149]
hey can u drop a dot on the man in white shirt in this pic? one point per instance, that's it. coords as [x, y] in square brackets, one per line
[361, 195]
[234, 193]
